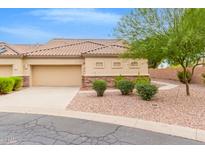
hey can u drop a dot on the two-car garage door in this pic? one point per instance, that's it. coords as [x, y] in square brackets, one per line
[56, 75]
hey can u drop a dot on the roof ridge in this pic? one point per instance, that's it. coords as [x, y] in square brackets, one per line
[96, 43]
[12, 49]
[89, 51]
[107, 46]
[29, 44]
[83, 39]
[90, 40]
[119, 46]
[62, 46]
[56, 47]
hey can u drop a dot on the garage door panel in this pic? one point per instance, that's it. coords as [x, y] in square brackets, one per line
[56, 75]
[5, 70]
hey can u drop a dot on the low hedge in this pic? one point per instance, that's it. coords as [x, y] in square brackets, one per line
[117, 79]
[99, 86]
[142, 80]
[146, 91]
[6, 85]
[18, 82]
[9, 84]
[126, 87]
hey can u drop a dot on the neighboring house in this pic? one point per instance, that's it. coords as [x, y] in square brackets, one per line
[69, 62]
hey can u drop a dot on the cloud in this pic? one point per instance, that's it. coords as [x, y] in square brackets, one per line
[76, 15]
[27, 32]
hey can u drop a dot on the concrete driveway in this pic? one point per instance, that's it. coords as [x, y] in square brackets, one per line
[38, 99]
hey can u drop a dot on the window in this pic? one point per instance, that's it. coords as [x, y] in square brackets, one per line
[134, 64]
[99, 65]
[116, 64]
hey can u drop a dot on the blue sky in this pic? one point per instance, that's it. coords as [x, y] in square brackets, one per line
[40, 25]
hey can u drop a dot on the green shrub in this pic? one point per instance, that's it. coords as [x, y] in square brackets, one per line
[6, 85]
[99, 86]
[146, 91]
[142, 80]
[180, 76]
[117, 79]
[18, 82]
[125, 86]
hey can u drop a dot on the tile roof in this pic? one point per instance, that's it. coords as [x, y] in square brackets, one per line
[24, 48]
[7, 50]
[111, 50]
[67, 47]
[66, 50]
[71, 41]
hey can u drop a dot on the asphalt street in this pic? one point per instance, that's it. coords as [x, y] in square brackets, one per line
[31, 129]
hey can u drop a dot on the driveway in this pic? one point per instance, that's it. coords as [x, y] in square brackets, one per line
[32, 129]
[38, 98]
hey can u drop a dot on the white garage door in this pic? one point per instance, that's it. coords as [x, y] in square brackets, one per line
[58, 75]
[5, 70]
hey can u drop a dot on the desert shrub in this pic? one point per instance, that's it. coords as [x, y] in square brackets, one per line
[125, 86]
[146, 91]
[180, 76]
[142, 80]
[117, 79]
[18, 82]
[99, 86]
[6, 85]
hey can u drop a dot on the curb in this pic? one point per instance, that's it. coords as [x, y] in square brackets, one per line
[166, 85]
[174, 130]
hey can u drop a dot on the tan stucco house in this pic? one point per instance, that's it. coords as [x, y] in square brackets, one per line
[69, 62]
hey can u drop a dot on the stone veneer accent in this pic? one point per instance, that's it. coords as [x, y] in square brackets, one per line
[87, 80]
[26, 80]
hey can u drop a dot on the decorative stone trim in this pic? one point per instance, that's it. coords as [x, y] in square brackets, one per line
[26, 81]
[87, 80]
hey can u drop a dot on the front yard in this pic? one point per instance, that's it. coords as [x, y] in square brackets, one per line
[168, 106]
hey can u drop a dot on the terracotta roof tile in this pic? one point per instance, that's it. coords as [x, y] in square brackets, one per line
[66, 50]
[67, 47]
[7, 50]
[107, 50]
[71, 41]
[21, 48]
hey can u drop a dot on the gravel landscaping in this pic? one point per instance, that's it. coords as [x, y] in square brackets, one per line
[168, 106]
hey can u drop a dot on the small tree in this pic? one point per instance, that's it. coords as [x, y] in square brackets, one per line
[143, 29]
[177, 35]
[186, 41]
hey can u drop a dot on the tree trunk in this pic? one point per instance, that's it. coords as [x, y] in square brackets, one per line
[186, 82]
[187, 88]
